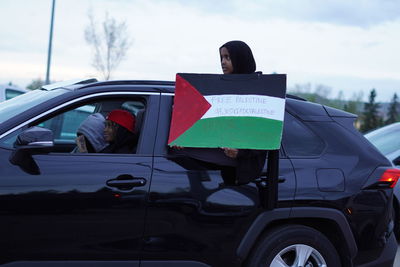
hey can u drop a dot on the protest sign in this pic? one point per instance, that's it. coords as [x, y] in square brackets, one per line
[243, 111]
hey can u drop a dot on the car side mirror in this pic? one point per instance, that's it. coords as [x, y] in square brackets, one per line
[32, 141]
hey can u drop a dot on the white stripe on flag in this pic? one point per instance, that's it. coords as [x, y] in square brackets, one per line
[245, 106]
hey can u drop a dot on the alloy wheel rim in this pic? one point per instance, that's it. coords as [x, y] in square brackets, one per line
[298, 255]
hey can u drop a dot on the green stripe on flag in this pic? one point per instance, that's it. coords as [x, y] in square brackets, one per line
[237, 132]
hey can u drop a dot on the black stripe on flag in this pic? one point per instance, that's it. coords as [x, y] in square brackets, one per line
[239, 84]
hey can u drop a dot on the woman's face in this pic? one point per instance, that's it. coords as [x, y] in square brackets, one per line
[110, 131]
[226, 63]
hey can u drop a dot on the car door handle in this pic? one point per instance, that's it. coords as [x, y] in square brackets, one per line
[126, 182]
[281, 179]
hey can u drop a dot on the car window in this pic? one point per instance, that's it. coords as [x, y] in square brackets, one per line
[10, 93]
[298, 140]
[64, 124]
[21, 104]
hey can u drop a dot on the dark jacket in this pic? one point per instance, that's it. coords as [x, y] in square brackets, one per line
[249, 166]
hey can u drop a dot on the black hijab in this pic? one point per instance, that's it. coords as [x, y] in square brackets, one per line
[241, 56]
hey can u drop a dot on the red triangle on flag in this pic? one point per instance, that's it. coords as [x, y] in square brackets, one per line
[189, 106]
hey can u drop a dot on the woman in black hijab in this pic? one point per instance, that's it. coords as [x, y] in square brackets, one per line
[238, 166]
[237, 58]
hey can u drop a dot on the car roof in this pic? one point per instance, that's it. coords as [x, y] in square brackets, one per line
[302, 108]
[161, 86]
[382, 130]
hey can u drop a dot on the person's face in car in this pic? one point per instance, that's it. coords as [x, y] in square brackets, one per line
[226, 62]
[110, 131]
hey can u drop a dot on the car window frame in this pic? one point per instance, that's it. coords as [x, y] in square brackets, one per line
[68, 105]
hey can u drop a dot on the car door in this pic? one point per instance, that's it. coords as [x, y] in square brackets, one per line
[81, 207]
[192, 217]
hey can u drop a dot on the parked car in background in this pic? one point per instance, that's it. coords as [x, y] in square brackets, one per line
[387, 140]
[10, 91]
[160, 206]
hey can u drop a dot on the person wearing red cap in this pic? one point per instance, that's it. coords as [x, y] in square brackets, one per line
[119, 132]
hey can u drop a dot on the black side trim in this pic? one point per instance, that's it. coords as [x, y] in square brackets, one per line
[266, 218]
[72, 264]
[172, 264]
[257, 227]
[333, 215]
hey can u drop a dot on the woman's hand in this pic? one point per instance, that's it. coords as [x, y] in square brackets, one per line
[81, 144]
[230, 152]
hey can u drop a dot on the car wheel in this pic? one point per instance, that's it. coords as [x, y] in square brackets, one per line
[294, 245]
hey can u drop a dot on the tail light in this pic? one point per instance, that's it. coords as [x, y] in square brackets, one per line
[390, 177]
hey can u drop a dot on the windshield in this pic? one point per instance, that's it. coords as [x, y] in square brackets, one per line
[24, 102]
[386, 141]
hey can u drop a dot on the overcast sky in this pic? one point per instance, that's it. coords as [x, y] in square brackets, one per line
[350, 46]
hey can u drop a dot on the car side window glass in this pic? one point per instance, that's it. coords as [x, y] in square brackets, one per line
[12, 93]
[8, 140]
[64, 125]
[298, 140]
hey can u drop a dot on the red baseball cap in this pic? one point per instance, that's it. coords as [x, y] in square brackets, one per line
[123, 118]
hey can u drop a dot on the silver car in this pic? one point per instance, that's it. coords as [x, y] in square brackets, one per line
[10, 91]
[387, 140]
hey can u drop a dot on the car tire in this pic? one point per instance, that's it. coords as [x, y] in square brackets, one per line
[294, 245]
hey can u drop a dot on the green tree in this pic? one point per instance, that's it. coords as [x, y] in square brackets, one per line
[393, 112]
[371, 118]
[350, 106]
[35, 84]
[354, 105]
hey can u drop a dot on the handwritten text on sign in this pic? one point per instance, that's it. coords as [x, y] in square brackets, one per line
[244, 105]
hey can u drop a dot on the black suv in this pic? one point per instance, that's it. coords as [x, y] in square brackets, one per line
[155, 207]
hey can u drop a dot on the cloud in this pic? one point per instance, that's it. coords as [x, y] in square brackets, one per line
[311, 42]
[362, 13]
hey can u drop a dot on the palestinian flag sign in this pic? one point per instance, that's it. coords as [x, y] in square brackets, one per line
[237, 110]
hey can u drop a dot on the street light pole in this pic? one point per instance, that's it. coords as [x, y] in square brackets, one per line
[50, 44]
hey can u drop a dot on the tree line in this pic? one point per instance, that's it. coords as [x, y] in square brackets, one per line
[371, 114]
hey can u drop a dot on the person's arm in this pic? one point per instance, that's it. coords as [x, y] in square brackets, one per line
[231, 152]
[242, 153]
[81, 144]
